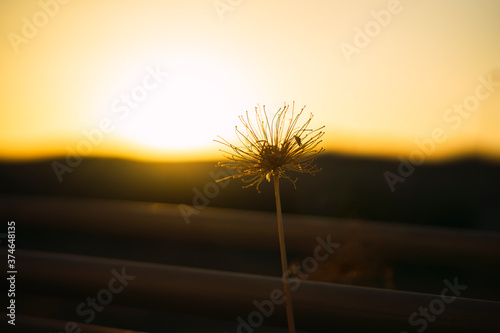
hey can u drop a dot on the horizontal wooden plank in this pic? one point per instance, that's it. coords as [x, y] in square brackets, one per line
[255, 230]
[320, 307]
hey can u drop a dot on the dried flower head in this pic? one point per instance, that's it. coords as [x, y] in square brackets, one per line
[269, 148]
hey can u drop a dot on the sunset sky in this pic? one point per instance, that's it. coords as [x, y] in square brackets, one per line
[161, 79]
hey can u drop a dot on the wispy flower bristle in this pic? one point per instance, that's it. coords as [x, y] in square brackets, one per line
[270, 148]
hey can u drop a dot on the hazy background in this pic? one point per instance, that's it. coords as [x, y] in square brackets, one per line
[65, 68]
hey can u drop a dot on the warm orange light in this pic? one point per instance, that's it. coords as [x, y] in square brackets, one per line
[69, 67]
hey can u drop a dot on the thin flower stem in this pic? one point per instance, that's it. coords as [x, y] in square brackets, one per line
[281, 232]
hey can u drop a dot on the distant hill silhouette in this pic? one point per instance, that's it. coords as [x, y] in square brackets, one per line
[459, 193]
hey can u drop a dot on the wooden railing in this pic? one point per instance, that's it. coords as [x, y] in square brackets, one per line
[54, 281]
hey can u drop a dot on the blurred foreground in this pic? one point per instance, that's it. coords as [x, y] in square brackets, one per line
[203, 254]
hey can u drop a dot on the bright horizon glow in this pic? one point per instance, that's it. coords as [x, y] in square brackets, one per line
[92, 62]
[177, 120]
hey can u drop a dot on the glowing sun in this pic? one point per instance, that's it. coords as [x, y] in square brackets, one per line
[187, 112]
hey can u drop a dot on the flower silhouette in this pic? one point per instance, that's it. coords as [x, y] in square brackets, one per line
[270, 148]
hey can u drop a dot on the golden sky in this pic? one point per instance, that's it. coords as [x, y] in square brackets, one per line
[161, 79]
